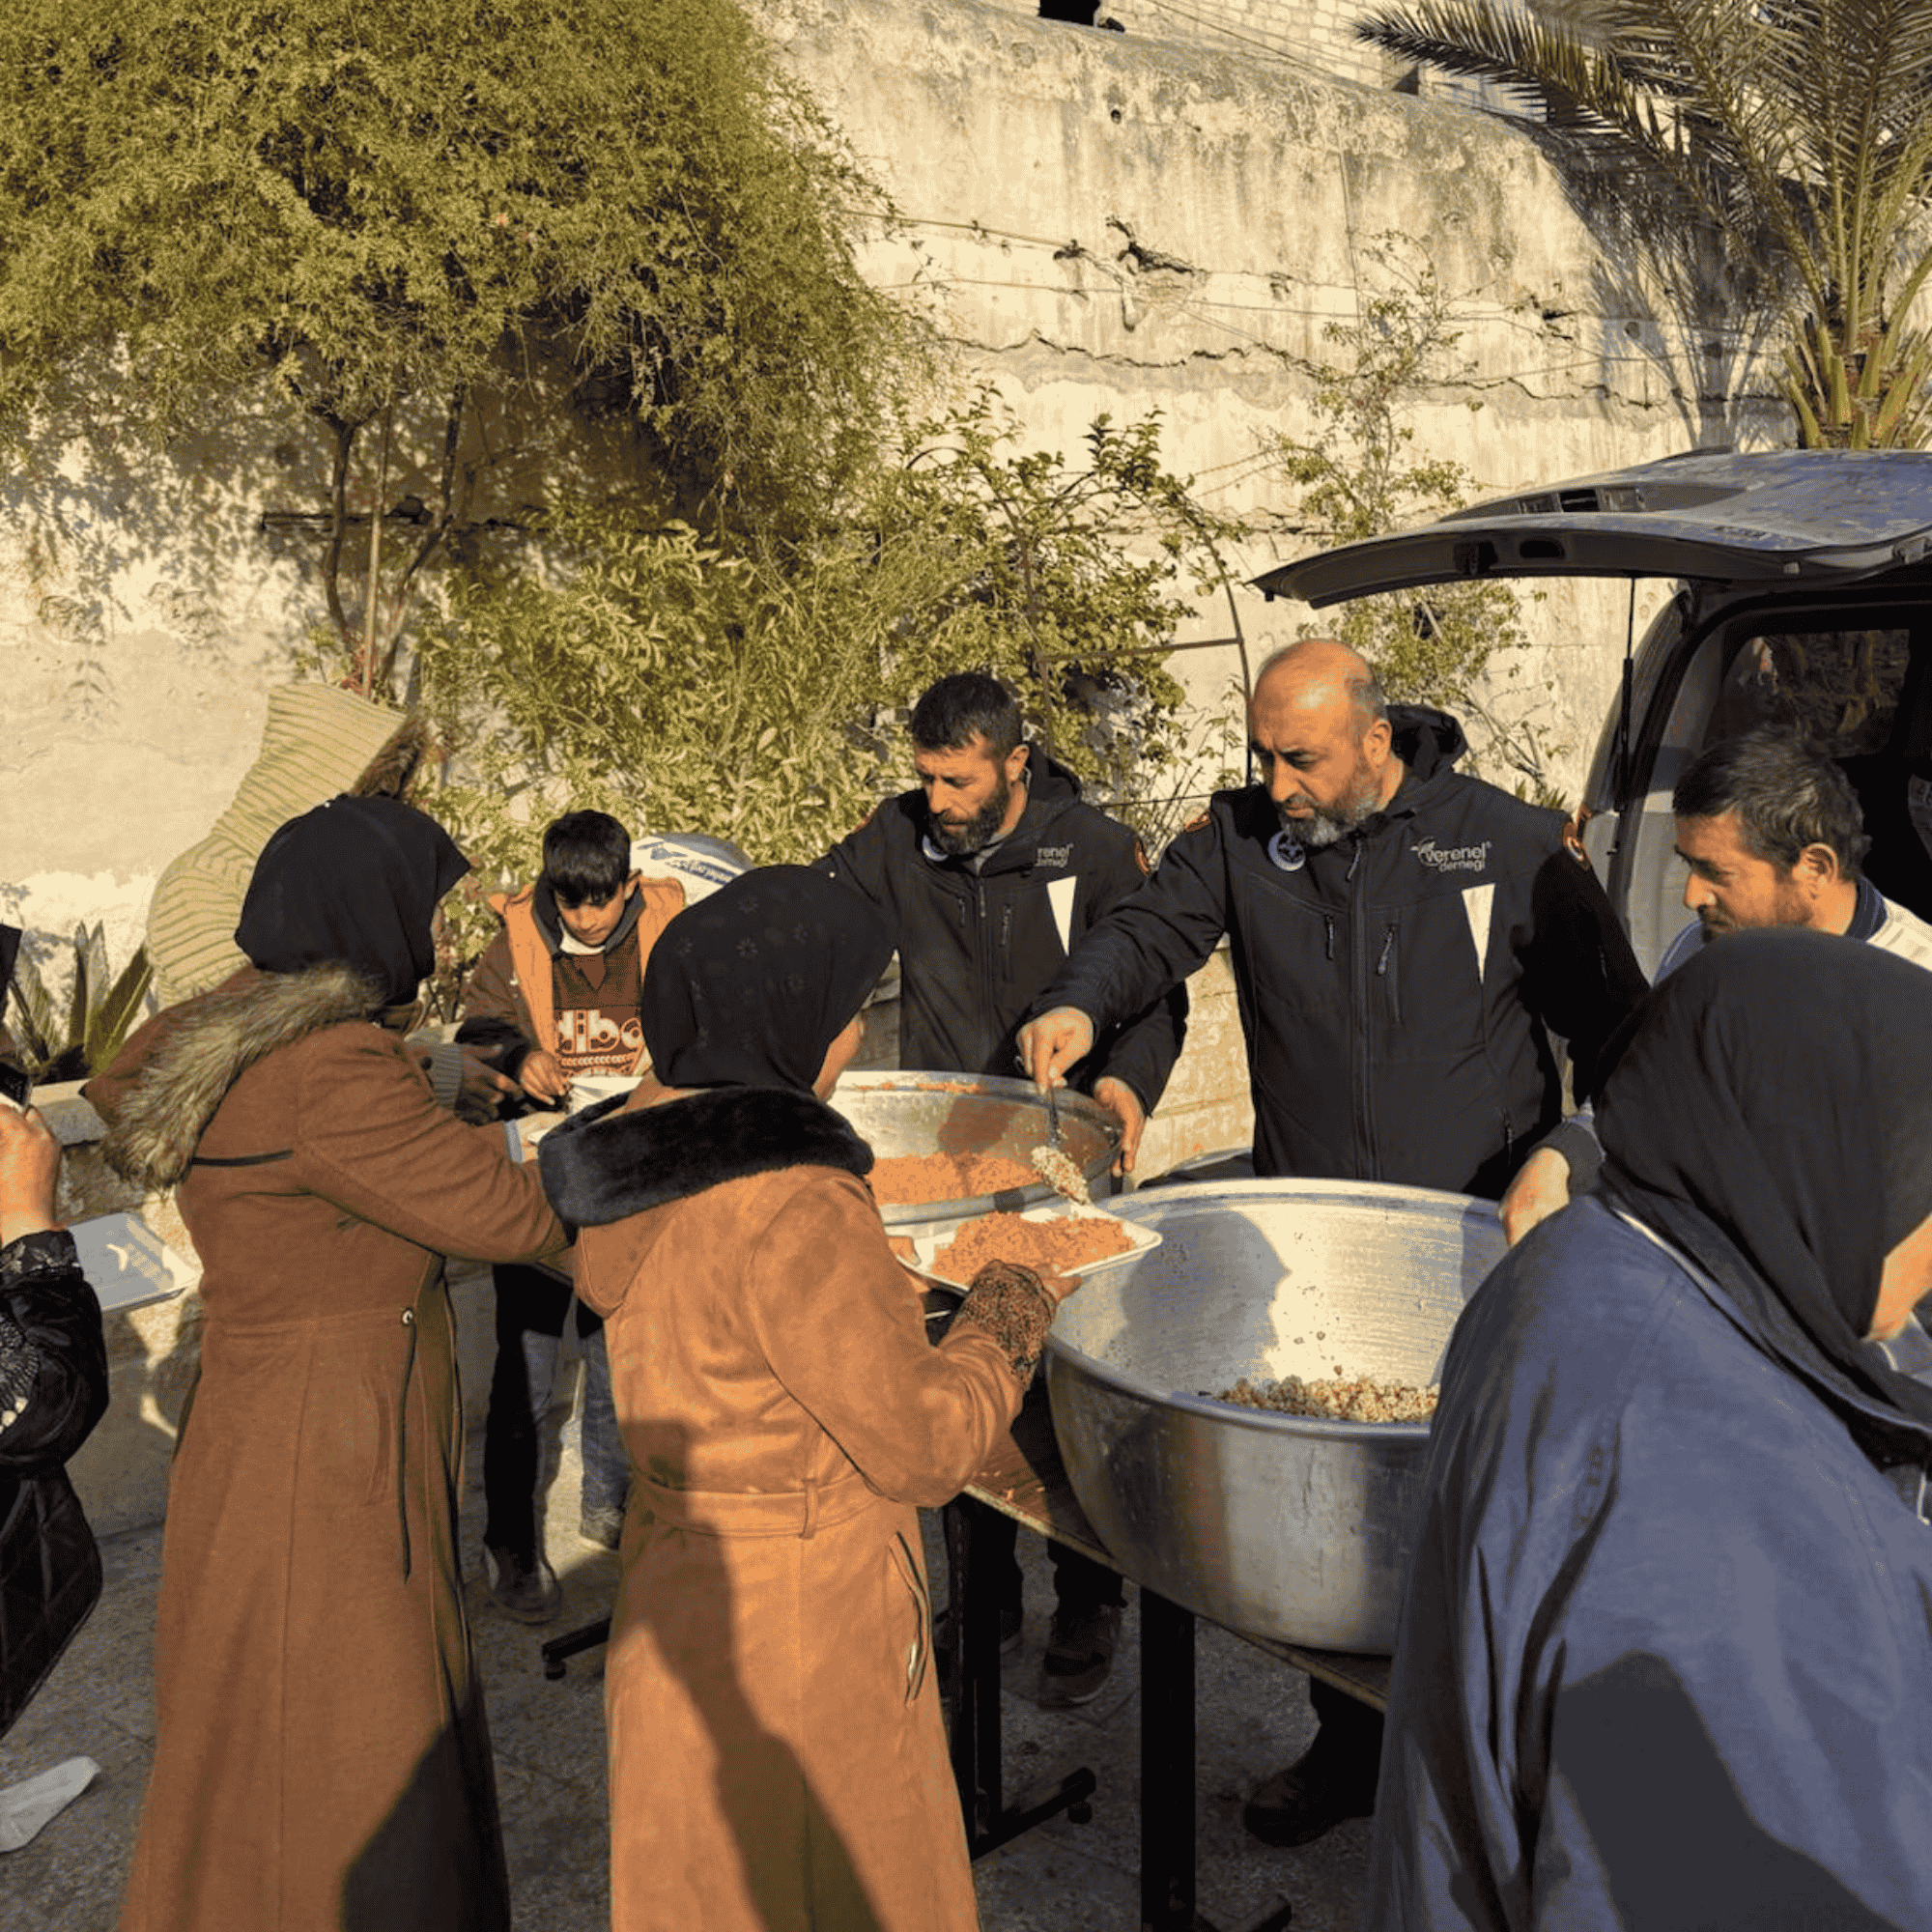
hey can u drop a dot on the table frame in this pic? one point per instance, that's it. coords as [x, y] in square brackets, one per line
[1027, 1481]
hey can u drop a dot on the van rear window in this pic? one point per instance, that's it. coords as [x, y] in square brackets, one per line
[1840, 687]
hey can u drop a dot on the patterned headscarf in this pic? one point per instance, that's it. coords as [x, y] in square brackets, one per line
[749, 986]
[356, 880]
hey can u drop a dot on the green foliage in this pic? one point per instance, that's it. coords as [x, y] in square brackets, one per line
[659, 677]
[1803, 135]
[1358, 478]
[1067, 580]
[754, 692]
[71, 1041]
[382, 214]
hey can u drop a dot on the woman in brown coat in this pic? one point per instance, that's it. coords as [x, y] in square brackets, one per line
[777, 1760]
[321, 1756]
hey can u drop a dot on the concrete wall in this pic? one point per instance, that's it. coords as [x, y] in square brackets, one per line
[1314, 36]
[1105, 222]
[1115, 223]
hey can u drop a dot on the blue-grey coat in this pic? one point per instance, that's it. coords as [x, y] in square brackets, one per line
[1666, 1650]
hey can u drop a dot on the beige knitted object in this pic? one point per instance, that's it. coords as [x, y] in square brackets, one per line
[318, 741]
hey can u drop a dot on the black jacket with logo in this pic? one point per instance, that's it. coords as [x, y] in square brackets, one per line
[976, 950]
[1399, 989]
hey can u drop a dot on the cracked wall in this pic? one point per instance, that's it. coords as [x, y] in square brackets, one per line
[1123, 222]
[1105, 222]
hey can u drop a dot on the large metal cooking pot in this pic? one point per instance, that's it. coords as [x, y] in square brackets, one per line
[914, 1112]
[1288, 1526]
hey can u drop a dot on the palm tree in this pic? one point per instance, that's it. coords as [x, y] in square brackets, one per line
[1799, 131]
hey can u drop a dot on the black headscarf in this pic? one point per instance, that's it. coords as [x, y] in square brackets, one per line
[1772, 1117]
[356, 880]
[749, 986]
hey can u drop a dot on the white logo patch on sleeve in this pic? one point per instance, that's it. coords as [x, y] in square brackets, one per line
[1059, 897]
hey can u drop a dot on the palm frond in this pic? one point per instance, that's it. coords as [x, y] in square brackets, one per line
[1800, 130]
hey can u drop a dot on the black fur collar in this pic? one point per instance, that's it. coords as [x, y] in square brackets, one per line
[603, 1164]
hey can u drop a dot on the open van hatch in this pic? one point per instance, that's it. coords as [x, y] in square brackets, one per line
[1786, 515]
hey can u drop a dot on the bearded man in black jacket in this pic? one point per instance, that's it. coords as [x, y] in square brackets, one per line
[991, 869]
[1408, 944]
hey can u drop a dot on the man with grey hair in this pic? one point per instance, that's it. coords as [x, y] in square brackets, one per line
[1771, 834]
[1405, 941]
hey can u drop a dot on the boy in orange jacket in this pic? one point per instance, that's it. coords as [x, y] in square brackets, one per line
[554, 997]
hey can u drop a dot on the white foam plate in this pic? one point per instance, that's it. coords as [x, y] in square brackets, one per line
[127, 1265]
[925, 1246]
[587, 1088]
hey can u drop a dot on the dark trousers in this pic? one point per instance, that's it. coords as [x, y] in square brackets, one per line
[531, 1308]
[1349, 1728]
[1079, 1583]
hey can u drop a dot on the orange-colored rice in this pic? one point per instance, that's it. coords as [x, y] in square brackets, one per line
[1057, 1246]
[905, 1179]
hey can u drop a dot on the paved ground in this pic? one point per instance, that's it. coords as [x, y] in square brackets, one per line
[1253, 1715]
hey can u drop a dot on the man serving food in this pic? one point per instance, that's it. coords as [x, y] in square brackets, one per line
[991, 869]
[1770, 834]
[1405, 941]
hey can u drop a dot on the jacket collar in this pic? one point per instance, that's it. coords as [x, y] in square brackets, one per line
[1428, 742]
[1051, 790]
[543, 909]
[607, 1162]
[160, 1095]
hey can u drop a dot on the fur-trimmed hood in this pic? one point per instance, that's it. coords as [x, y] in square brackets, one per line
[160, 1095]
[605, 1163]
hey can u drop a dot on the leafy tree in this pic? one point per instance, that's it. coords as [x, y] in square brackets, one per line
[1800, 134]
[1355, 477]
[386, 217]
[686, 684]
[1066, 580]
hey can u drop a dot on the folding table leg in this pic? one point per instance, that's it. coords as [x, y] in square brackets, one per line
[1167, 1776]
[1167, 1765]
[972, 1705]
[557, 1650]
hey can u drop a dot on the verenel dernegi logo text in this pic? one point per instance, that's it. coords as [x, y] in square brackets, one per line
[1452, 858]
[1053, 855]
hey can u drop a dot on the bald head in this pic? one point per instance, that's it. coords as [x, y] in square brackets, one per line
[1318, 729]
[1317, 673]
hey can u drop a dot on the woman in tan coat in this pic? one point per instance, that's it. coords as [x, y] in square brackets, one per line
[321, 1756]
[777, 1760]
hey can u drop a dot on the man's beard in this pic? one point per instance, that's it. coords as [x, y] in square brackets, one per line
[1322, 825]
[979, 831]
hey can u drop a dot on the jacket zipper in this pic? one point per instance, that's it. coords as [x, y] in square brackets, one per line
[1370, 1154]
[1383, 972]
[982, 950]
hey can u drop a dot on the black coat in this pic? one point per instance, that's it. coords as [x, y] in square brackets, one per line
[1402, 989]
[53, 1389]
[977, 948]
